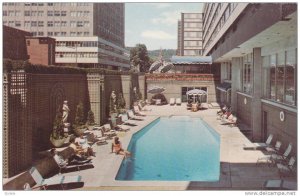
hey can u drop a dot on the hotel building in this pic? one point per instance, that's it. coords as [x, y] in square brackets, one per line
[256, 45]
[190, 34]
[87, 34]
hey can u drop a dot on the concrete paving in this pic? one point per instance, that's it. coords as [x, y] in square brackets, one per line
[238, 166]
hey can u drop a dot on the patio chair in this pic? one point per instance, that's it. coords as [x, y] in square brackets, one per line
[56, 180]
[64, 164]
[275, 149]
[132, 116]
[259, 146]
[286, 169]
[172, 101]
[107, 131]
[143, 108]
[96, 136]
[282, 157]
[280, 184]
[178, 101]
[231, 120]
[137, 111]
[126, 121]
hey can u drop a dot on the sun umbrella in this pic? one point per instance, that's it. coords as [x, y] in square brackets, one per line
[196, 92]
[166, 67]
[155, 65]
[156, 90]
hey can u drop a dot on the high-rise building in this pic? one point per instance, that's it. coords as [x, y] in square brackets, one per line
[87, 34]
[256, 46]
[190, 34]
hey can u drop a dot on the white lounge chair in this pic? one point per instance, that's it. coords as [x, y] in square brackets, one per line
[137, 111]
[275, 157]
[158, 102]
[56, 180]
[143, 108]
[132, 116]
[172, 101]
[259, 146]
[280, 185]
[178, 101]
[126, 121]
[108, 131]
[286, 169]
[275, 149]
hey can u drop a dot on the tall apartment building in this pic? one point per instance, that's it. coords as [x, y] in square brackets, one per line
[190, 34]
[256, 45]
[87, 34]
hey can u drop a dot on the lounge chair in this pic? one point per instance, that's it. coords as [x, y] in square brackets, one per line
[56, 180]
[172, 101]
[275, 149]
[280, 185]
[282, 157]
[132, 116]
[126, 121]
[143, 108]
[231, 120]
[276, 157]
[108, 131]
[178, 101]
[286, 169]
[259, 146]
[137, 111]
[64, 164]
[96, 136]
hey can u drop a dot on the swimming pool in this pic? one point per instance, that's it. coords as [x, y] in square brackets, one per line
[177, 148]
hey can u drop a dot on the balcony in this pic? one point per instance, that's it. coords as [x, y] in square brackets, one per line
[183, 77]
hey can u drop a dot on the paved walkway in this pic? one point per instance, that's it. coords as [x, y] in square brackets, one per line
[238, 166]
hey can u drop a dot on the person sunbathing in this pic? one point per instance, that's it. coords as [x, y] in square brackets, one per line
[82, 142]
[116, 147]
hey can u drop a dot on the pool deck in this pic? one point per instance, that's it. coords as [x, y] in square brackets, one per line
[238, 166]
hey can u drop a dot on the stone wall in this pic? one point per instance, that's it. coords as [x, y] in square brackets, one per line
[32, 101]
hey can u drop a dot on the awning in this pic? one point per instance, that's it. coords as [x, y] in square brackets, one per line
[225, 86]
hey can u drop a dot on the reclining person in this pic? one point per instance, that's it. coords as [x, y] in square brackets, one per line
[83, 143]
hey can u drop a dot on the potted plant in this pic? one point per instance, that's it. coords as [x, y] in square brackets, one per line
[90, 120]
[57, 136]
[79, 125]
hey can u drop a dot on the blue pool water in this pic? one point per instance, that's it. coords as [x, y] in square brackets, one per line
[178, 148]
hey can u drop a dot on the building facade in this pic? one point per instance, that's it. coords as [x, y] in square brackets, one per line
[74, 21]
[190, 34]
[256, 44]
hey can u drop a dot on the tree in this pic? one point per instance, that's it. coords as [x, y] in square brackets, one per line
[139, 57]
[58, 126]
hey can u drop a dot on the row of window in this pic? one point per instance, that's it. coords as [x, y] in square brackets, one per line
[193, 16]
[193, 43]
[49, 23]
[49, 13]
[46, 4]
[74, 44]
[89, 55]
[59, 34]
[192, 52]
[195, 34]
[279, 74]
[192, 25]
[230, 8]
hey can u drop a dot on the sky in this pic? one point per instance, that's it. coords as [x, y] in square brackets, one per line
[155, 24]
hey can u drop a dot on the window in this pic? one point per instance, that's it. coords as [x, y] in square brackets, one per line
[79, 24]
[73, 34]
[50, 13]
[86, 13]
[40, 23]
[4, 13]
[279, 73]
[50, 4]
[40, 13]
[33, 13]
[63, 13]
[50, 24]
[56, 13]
[33, 23]
[73, 14]
[50, 33]
[63, 23]
[18, 13]
[56, 23]
[247, 74]
[86, 24]
[56, 33]
[18, 23]
[86, 33]
[26, 23]
[40, 33]
[40, 4]
[26, 13]
[73, 23]
[63, 33]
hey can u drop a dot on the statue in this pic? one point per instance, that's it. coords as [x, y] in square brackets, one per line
[113, 102]
[66, 111]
